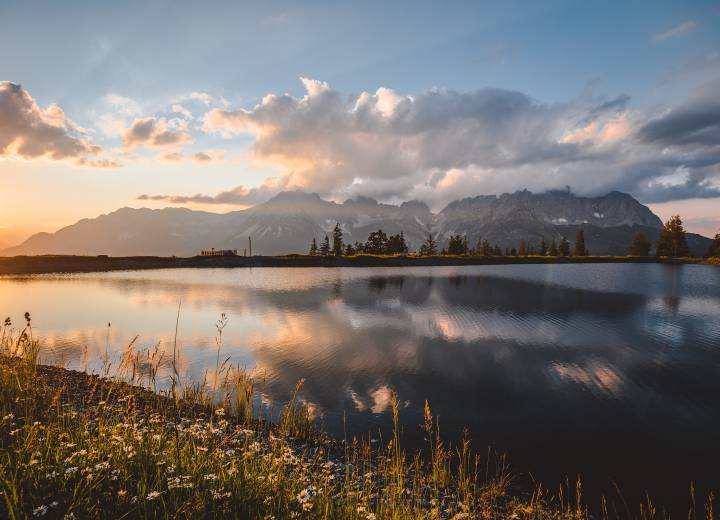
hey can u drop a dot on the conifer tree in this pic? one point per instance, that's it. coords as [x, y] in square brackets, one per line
[640, 246]
[497, 251]
[513, 252]
[543, 247]
[376, 243]
[337, 247]
[457, 245]
[553, 251]
[485, 249]
[349, 250]
[714, 249]
[429, 247]
[522, 251]
[564, 248]
[580, 244]
[396, 244]
[313, 247]
[672, 241]
[325, 247]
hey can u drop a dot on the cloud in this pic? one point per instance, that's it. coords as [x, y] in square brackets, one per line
[201, 157]
[694, 123]
[179, 109]
[677, 31]
[240, 196]
[442, 144]
[29, 131]
[156, 133]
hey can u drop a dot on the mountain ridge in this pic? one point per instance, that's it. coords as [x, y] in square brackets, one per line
[287, 223]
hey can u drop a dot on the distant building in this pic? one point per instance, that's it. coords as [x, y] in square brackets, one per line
[219, 252]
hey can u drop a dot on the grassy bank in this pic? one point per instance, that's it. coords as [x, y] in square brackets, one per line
[74, 445]
[78, 264]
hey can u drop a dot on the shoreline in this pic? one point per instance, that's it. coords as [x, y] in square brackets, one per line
[48, 264]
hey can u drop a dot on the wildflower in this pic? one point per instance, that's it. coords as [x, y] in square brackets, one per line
[210, 476]
[121, 493]
[12, 433]
[220, 412]
[69, 516]
[40, 511]
[152, 495]
[9, 417]
[370, 516]
[72, 470]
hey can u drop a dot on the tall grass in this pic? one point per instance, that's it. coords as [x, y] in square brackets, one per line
[77, 446]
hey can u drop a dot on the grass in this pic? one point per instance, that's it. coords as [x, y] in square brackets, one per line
[75, 445]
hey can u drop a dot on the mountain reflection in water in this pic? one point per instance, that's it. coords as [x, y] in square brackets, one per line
[606, 370]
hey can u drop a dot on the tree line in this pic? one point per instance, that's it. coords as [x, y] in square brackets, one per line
[672, 243]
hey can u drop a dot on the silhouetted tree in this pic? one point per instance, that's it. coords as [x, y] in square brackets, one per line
[429, 247]
[396, 244]
[337, 247]
[497, 251]
[457, 245]
[359, 247]
[513, 252]
[313, 247]
[714, 249]
[485, 249]
[672, 241]
[553, 251]
[349, 250]
[640, 246]
[376, 243]
[543, 247]
[523, 249]
[580, 243]
[564, 248]
[325, 247]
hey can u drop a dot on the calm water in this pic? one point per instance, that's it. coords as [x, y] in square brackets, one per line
[608, 370]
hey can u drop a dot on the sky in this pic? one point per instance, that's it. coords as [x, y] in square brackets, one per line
[220, 105]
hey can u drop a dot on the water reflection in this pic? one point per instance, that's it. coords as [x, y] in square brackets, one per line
[610, 370]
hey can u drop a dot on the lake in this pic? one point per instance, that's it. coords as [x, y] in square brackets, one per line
[608, 370]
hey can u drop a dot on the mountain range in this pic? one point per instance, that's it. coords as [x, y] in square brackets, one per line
[290, 220]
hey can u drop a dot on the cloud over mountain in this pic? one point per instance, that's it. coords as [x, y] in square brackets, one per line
[442, 144]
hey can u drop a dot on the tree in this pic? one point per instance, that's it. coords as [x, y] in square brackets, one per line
[349, 250]
[553, 251]
[485, 249]
[457, 245]
[359, 247]
[376, 243]
[513, 252]
[497, 251]
[325, 247]
[523, 249]
[429, 247]
[543, 247]
[715, 246]
[396, 244]
[640, 246]
[337, 247]
[313, 247]
[580, 244]
[672, 241]
[564, 247]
